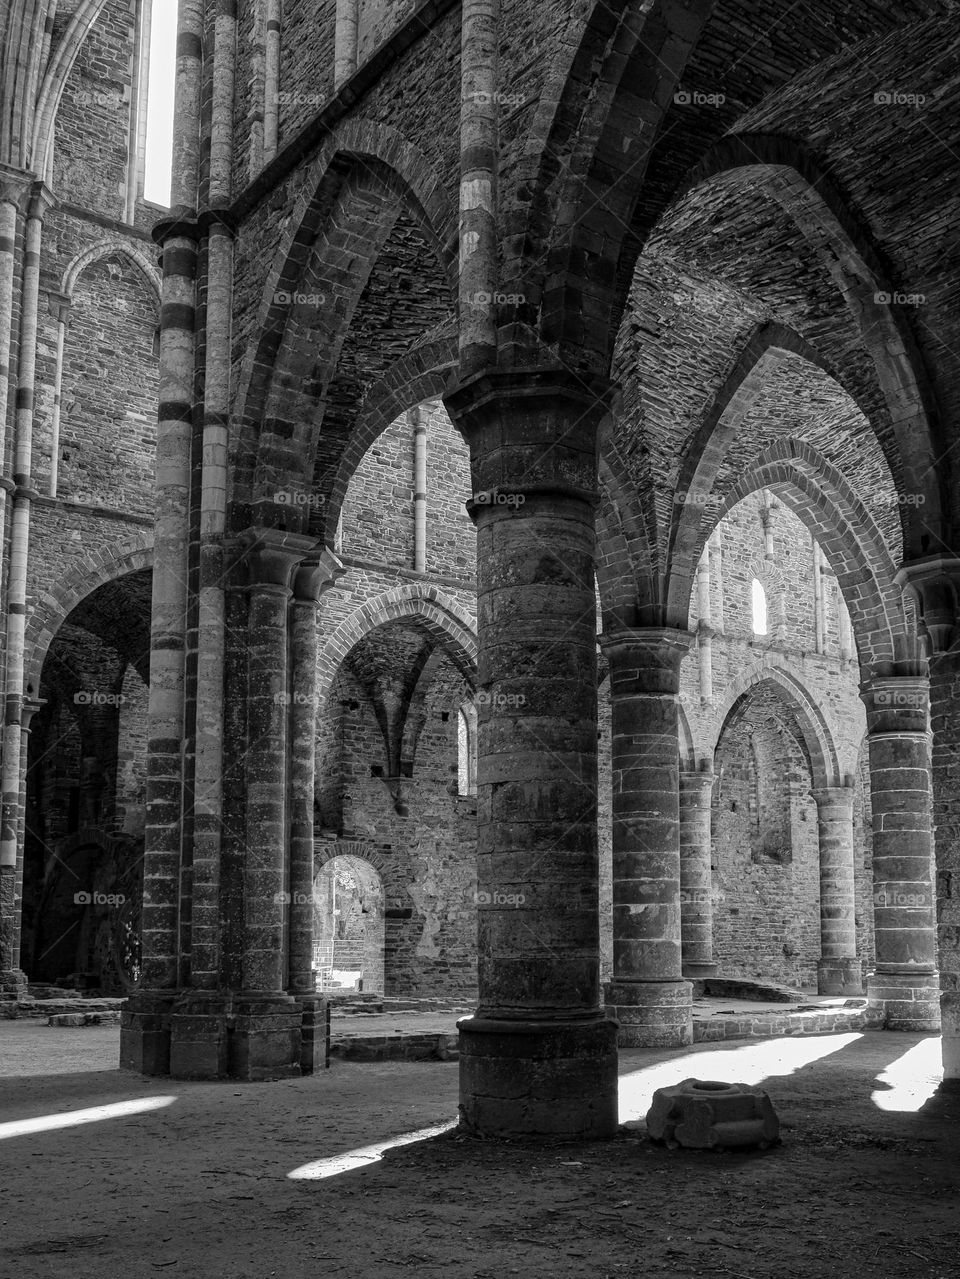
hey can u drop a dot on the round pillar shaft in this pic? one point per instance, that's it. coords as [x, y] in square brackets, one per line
[905, 980]
[539, 1056]
[648, 994]
[696, 877]
[838, 972]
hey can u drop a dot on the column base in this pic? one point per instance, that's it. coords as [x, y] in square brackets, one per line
[314, 1034]
[200, 1036]
[265, 1037]
[695, 970]
[145, 1033]
[911, 1001]
[839, 977]
[538, 1078]
[13, 983]
[652, 1014]
[950, 1043]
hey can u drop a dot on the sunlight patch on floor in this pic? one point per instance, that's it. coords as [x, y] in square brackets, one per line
[319, 1169]
[750, 1064]
[73, 1118]
[912, 1079]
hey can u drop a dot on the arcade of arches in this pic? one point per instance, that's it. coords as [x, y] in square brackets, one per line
[499, 544]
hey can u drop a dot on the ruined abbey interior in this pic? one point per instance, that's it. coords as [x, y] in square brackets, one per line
[480, 628]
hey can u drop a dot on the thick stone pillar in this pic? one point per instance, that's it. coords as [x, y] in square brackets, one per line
[696, 877]
[838, 970]
[905, 980]
[648, 994]
[539, 1055]
[934, 585]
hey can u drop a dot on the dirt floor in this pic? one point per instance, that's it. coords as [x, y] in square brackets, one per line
[865, 1182]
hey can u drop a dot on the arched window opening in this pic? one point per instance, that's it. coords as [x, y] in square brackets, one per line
[161, 81]
[759, 607]
[467, 750]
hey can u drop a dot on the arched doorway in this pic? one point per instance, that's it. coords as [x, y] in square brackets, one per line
[348, 926]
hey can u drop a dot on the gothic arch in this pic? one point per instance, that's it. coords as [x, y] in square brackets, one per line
[818, 738]
[54, 607]
[444, 620]
[350, 198]
[104, 249]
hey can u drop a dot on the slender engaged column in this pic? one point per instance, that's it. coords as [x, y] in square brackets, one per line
[905, 980]
[838, 971]
[539, 1056]
[696, 877]
[310, 581]
[648, 994]
[145, 1025]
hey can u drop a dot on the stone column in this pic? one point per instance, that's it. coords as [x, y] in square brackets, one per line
[934, 585]
[648, 994]
[905, 980]
[696, 877]
[266, 1037]
[838, 970]
[145, 1024]
[310, 580]
[539, 1055]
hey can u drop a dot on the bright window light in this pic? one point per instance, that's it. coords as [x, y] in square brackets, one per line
[162, 75]
[759, 606]
[73, 1118]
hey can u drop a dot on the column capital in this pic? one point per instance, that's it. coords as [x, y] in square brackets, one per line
[896, 703]
[839, 796]
[41, 201]
[316, 575]
[697, 787]
[15, 186]
[645, 660]
[270, 556]
[934, 584]
[60, 305]
[533, 434]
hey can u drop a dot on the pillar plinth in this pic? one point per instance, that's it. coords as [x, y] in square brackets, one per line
[649, 994]
[539, 1056]
[839, 970]
[696, 876]
[905, 981]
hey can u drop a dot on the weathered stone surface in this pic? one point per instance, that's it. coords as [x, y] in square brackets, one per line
[706, 1115]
